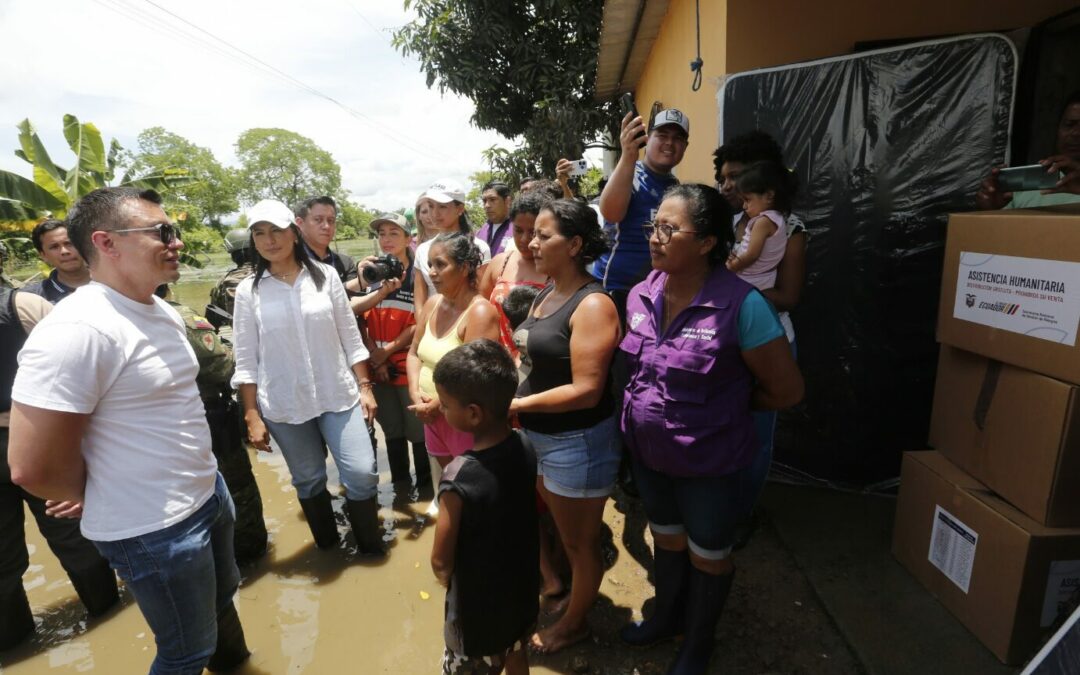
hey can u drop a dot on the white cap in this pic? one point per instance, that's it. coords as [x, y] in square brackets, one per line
[445, 191]
[270, 211]
[671, 116]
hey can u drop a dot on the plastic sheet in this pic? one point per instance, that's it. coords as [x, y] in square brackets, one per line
[886, 144]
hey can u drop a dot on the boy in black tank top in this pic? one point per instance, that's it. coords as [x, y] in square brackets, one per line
[486, 548]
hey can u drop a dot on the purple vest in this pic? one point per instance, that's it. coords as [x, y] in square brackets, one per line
[686, 410]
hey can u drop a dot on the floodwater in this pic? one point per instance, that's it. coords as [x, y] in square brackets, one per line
[304, 610]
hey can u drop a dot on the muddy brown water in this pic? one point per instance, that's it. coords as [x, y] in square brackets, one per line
[304, 610]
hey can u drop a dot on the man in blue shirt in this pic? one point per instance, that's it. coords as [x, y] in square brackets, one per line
[69, 270]
[632, 195]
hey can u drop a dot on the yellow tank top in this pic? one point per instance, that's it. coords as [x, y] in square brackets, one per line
[432, 348]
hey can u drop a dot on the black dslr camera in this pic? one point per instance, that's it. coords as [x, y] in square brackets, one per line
[382, 268]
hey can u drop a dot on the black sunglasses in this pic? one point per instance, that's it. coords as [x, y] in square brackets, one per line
[167, 232]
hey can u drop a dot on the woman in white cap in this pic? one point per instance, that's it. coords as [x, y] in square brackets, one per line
[446, 201]
[302, 372]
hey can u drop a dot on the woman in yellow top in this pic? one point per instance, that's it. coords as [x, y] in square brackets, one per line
[456, 314]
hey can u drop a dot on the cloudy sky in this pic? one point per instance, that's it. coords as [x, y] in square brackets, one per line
[127, 65]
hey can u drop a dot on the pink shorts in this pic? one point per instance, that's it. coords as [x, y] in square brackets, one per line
[444, 440]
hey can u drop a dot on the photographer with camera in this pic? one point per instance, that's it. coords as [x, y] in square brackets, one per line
[388, 314]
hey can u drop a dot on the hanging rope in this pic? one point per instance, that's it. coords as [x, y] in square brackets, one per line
[697, 63]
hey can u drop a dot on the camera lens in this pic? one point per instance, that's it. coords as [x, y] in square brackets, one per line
[377, 271]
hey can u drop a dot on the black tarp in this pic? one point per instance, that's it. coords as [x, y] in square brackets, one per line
[886, 144]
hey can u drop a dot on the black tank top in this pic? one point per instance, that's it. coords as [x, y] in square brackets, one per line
[545, 364]
[12, 337]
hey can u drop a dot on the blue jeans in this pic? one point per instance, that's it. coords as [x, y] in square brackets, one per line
[346, 434]
[579, 464]
[182, 577]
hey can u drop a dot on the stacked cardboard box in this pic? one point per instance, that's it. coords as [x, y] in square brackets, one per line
[990, 522]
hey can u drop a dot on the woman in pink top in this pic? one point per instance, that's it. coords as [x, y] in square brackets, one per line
[767, 190]
[515, 266]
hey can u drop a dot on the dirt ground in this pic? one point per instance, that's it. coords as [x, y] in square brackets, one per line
[311, 611]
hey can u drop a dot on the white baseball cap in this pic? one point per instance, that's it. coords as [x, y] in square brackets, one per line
[671, 116]
[270, 211]
[445, 191]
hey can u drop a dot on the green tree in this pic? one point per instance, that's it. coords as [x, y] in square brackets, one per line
[212, 197]
[283, 165]
[53, 189]
[529, 67]
[353, 219]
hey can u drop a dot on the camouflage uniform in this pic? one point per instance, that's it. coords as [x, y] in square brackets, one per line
[223, 415]
[223, 296]
[5, 280]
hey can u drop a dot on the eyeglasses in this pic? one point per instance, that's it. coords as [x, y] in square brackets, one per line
[663, 231]
[167, 232]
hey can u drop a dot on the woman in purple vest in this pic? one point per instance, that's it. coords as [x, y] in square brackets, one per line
[703, 348]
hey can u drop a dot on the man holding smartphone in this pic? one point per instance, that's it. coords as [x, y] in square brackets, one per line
[633, 194]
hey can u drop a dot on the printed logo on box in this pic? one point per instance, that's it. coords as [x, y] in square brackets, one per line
[1030, 296]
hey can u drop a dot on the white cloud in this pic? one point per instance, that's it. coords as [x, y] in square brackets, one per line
[126, 65]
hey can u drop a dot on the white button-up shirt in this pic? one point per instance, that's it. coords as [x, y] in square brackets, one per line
[298, 345]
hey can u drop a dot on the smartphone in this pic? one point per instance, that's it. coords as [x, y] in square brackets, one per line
[626, 102]
[1031, 177]
[578, 167]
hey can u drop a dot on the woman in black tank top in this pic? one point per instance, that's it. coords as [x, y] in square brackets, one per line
[564, 401]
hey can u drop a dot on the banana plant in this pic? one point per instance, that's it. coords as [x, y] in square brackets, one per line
[53, 190]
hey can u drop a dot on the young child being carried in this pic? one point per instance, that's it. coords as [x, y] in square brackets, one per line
[486, 548]
[767, 189]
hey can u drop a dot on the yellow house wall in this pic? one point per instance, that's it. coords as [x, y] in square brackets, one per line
[739, 35]
[667, 78]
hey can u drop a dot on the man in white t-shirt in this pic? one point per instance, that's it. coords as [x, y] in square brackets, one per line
[107, 421]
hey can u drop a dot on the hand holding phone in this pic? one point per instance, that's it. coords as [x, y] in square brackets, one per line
[1031, 177]
[626, 102]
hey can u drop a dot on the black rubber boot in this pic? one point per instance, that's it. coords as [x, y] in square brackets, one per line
[96, 588]
[421, 465]
[320, 518]
[705, 601]
[671, 573]
[364, 518]
[231, 649]
[16, 621]
[397, 454]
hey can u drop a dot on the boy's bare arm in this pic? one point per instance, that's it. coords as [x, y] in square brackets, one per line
[446, 533]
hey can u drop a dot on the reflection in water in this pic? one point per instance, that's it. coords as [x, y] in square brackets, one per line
[298, 618]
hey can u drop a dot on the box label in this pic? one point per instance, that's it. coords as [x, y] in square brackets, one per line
[952, 548]
[1030, 296]
[1061, 586]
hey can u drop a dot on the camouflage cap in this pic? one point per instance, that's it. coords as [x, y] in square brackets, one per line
[237, 240]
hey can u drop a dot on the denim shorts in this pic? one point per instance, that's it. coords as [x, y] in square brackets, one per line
[706, 509]
[581, 463]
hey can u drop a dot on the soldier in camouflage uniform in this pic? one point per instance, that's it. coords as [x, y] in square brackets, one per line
[5, 280]
[223, 415]
[219, 311]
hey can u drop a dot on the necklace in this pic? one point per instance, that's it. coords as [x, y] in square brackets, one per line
[285, 276]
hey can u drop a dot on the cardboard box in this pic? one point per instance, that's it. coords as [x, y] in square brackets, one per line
[1016, 431]
[1010, 288]
[1000, 573]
